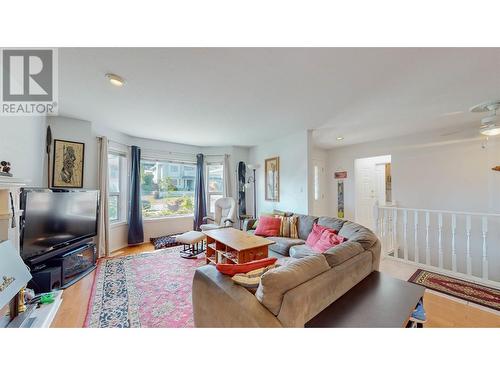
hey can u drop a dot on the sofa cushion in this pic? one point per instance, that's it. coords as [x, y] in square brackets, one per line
[301, 251]
[331, 222]
[232, 269]
[288, 227]
[358, 233]
[282, 244]
[268, 226]
[276, 282]
[251, 280]
[340, 253]
[305, 225]
[328, 240]
[315, 235]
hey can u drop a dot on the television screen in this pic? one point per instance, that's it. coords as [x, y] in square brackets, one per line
[54, 219]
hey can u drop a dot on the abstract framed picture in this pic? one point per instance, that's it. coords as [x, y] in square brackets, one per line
[67, 167]
[272, 179]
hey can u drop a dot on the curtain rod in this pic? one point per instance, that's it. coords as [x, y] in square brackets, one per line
[156, 150]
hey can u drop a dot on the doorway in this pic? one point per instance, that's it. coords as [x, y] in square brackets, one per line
[373, 183]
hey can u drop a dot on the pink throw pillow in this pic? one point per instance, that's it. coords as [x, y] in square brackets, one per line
[268, 226]
[316, 233]
[328, 240]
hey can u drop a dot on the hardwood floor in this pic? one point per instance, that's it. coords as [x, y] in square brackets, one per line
[73, 309]
[442, 311]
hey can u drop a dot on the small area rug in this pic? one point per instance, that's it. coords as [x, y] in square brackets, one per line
[164, 242]
[143, 290]
[466, 290]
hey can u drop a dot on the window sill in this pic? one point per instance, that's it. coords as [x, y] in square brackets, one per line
[166, 218]
[115, 224]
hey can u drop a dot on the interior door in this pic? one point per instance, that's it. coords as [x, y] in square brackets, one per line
[380, 184]
[365, 192]
[319, 185]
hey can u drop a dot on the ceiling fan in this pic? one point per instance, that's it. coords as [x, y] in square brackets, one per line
[490, 125]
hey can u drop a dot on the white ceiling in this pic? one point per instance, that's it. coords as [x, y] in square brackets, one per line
[237, 96]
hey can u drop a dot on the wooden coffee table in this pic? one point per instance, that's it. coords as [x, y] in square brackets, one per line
[377, 301]
[229, 245]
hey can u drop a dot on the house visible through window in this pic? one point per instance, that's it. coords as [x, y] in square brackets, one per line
[167, 188]
[117, 174]
[215, 184]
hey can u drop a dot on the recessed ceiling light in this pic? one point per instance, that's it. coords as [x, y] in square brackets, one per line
[340, 138]
[115, 80]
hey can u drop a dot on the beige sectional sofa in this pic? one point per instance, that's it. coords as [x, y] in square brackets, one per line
[290, 295]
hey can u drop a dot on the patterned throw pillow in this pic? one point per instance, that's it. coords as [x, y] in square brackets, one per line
[288, 227]
[327, 241]
[251, 280]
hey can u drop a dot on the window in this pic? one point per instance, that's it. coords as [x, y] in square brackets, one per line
[117, 175]
[215, 184]
[167, 188]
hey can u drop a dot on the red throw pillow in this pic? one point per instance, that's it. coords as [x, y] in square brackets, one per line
[316, 233]
[268, 226]
[328, 239]
[233, 269]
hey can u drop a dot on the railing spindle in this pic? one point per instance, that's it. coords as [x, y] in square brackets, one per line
[427, 247]
[386, 229]
[453, 247]
[417, 255]
[485, 255]
[405, 235]
[440, 239]
[468, 227]
[395, 233]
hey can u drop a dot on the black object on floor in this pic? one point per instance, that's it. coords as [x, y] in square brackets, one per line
[192, 251]
[164, 242]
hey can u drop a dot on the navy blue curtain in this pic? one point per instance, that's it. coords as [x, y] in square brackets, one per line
[135, 229]
[200, 204]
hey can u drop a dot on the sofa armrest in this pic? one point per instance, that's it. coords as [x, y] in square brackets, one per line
[376, 250]
[218, 302]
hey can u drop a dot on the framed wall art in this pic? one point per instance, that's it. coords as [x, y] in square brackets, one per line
[67, 167]
[272, 179]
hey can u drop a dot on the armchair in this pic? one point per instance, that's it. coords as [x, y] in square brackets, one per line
[225, 214]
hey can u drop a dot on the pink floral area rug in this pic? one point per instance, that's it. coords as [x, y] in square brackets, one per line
[143, 290]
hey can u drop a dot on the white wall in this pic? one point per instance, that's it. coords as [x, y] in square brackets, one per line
[22, 143]
[293, 151]
[70, 129]
[318, 155]
[427, 172]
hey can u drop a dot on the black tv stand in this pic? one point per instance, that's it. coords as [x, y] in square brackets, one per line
[71, 264]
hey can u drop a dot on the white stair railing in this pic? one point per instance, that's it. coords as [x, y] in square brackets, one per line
[460, 244]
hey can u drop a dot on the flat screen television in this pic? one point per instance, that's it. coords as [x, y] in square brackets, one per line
[53, 219]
